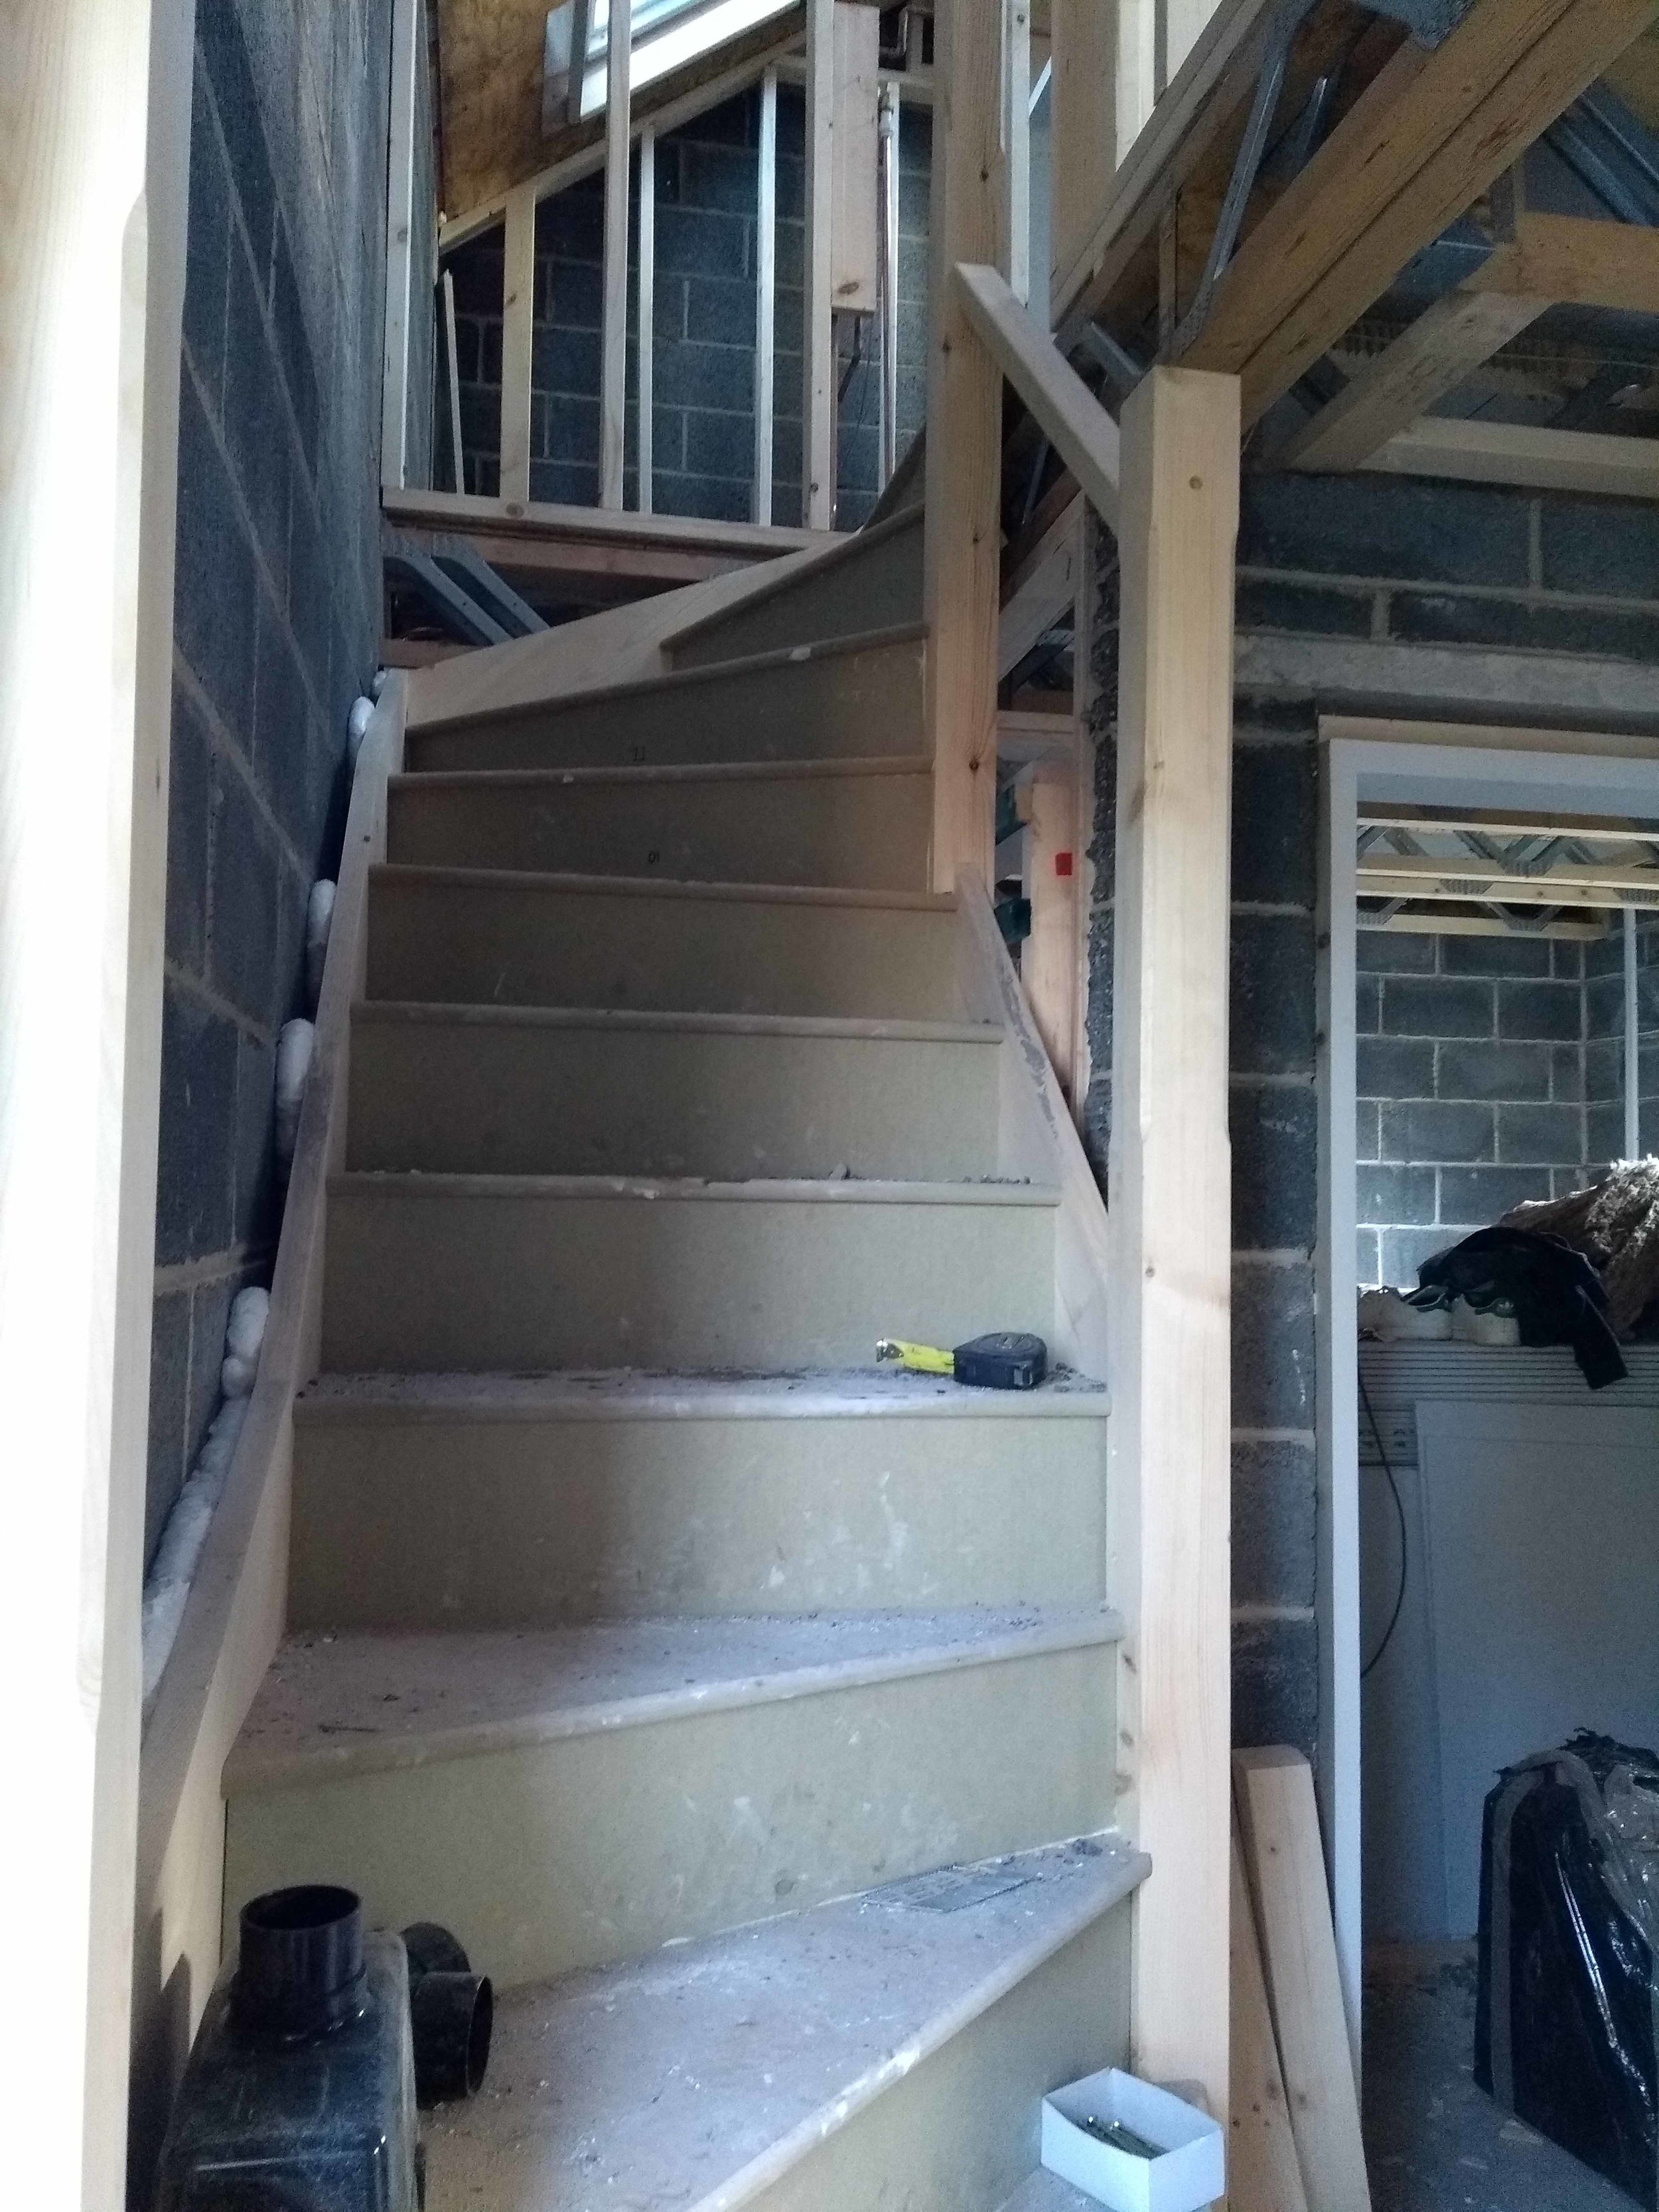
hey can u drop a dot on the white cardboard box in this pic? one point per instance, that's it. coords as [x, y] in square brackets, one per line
[1190, 2170]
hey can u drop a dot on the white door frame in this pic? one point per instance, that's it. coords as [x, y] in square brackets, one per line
[1428, 762]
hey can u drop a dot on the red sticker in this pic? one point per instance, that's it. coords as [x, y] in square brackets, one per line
[1062, 864]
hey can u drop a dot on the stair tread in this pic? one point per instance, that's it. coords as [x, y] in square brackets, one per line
[635, 775]
[672, 681]
[332, 1704]
[694, 2077]
[416, 1012]
[845, 1190]
[530, 879]
[638, 1394]
[1046, 2192]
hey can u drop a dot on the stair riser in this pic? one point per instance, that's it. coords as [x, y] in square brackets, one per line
[599, 1847]
[476, 944]
[519, 1524]
[476, 1098]
[856, 832]
[877, 586]
[427, 1280]
[961, 2132]
[829, 706]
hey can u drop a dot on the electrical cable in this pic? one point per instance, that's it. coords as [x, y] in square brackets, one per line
[1400, 1516]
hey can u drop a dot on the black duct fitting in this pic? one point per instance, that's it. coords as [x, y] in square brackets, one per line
[453, 2010]
[301, 1970]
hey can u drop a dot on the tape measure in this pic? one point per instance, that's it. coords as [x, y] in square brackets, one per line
[1005, 1360]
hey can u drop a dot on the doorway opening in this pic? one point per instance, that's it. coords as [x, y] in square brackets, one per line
[1489, 1525]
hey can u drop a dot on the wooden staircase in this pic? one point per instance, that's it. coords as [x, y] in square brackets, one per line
[748, 1712]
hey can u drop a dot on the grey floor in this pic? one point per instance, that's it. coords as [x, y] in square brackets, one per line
[1434, 2143]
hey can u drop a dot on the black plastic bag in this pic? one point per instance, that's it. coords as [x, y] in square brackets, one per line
[1566, 2031]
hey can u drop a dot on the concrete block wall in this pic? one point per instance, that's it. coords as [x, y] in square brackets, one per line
[1604, 1051]
[275, 625]
[1336, 558]
[702, 330]
[1470, 1074]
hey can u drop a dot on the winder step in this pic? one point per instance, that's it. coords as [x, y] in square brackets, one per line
[892, 2047]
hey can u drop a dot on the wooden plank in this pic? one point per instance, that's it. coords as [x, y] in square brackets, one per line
[1072, 420]
[888, 117]
[408, 58]
[1263, 2173]
[1083, 127]
[94, 181]
[1017, 143]
[1428, 359]
[818, 413]
[1037, 593]
[613, 337]
[1516, 453]
[855, 241]
[1429, 135]
[962, 459]
[1279, 1825]
[552, 519]
[645, 318]
[766, 264]
[679, 96]
[1168, 1479]
[1567, 258]
[453, 369]
[518, 345]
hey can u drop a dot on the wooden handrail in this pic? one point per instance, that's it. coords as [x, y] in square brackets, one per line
[1072, 420]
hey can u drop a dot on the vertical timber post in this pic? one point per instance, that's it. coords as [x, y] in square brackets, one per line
[518, 341]
[1169, 1483]
[644, 320]
[818, 411]
[613, 338]
[962, 542]
[766, 233]
[94, 181]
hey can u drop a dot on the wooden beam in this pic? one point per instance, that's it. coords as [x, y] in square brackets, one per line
[889, 138]
[613, 339]
[452, 377]
[94, 155]
[1566, 259]
[1431, 358]
[818, 416]
[1083, 126]
[1516, 453]
[554, 522]
[1279, 1823]
[1072, 420]
[1164, 148]
[518, 344]
[854, 223]
[408, 58]
[679, 97]
[1263, 2173]
[645, 317]
[766, 262]
[962, 457]
[1170, 1481]
[1039, 591]
[1430, 133]
[1017, 143]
